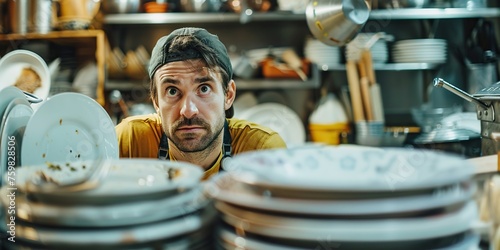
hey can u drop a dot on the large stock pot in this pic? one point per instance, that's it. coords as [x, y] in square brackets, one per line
[487, 102]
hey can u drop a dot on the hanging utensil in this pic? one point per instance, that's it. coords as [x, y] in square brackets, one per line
[336, 22]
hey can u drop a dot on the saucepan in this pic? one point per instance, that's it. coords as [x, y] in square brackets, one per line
[336, 22]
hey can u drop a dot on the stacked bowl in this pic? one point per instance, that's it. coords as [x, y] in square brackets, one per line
[350, 197]
[108, 204]
[420, 51]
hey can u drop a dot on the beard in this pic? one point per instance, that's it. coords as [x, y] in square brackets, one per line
[193, 142]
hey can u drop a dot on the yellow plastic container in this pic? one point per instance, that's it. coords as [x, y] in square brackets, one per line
[328, 133]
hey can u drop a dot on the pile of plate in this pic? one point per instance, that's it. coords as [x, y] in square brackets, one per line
[126, 204]
[348, 197]
[323, 55]
[420, 51]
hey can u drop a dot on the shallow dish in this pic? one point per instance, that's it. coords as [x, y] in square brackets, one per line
[373, 230]
[127, 180]
[225, 188]
[69, 127]
[348, 168]
[280, 118]
[12, 129]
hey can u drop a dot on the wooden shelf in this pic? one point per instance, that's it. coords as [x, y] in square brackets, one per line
[85, 38]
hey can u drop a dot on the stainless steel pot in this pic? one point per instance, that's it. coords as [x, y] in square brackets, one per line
[336, 22]
[487, 102]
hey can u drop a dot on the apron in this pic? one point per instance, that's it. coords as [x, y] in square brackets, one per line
[226, 145]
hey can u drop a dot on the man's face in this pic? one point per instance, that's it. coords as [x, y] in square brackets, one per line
[191, 103]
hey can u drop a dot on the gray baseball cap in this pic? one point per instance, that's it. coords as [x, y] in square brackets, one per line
[161, 56]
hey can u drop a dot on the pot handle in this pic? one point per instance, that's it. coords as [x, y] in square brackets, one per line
[438, 82]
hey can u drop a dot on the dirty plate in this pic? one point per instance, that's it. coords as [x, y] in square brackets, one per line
[69, 127]
[348, 168]
[126, 180]
[13, 64]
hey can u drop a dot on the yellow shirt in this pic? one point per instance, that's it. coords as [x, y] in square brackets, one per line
[139, 137]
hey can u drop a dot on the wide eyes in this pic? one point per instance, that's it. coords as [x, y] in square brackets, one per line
[202, 90]
[171, 91]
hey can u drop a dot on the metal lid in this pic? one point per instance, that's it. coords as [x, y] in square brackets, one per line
[446, 134]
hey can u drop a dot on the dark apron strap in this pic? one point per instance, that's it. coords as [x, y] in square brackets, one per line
[226, 145]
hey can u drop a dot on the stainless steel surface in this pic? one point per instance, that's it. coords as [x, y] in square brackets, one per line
[174, 18]
[121, 6]
[41, 16]
[336, 22]
[408, 14]
[391, 66]
[434, 13]
[19, 15]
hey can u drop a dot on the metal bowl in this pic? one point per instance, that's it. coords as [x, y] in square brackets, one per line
[121, 6]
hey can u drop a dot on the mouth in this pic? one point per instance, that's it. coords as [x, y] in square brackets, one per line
[190, 129]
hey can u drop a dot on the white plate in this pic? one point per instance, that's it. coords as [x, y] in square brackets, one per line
[114, 237]
[418, 42]
[11, 134]
[109, 215]
[69, 127]
[127, 179]
[230, 240]
[280, 118]
[349, 168]
[6, 96]
[225, 188]
[374, 230]
[15, 61]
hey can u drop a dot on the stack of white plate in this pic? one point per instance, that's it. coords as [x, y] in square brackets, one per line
[420, 51]
[323, 55]
[348, 197]
[378, 50]
[137, 204]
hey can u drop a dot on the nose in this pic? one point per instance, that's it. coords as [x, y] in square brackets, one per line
[189, 108]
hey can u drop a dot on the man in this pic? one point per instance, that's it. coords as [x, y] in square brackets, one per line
[192, 91]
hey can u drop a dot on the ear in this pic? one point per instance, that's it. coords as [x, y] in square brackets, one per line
[230, 94]
[154, 101]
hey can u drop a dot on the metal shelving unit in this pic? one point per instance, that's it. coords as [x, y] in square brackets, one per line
[387, 66]
[314, 82]
[411, 13]
[242, 84]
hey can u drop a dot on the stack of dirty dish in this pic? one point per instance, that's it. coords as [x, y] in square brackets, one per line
[420, 51]
[107, 204]
[325, 56]
[350, 197]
